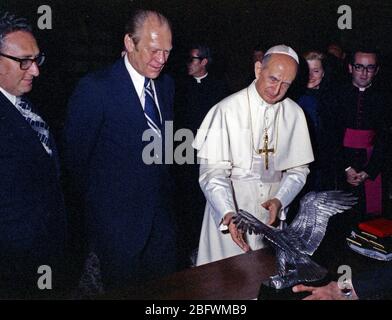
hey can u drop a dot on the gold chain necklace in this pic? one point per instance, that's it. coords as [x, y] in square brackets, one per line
[265, 150]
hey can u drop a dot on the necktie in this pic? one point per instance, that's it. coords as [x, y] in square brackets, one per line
[36, 122]
[150, 108]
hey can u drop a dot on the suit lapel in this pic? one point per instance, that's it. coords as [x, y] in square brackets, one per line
[125, 96]
[127, 101]
[17, 125]
[11, 116]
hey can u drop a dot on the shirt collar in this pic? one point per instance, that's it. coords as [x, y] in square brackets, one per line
[365, 88]
[198, 79]
[137, 78]
[9, 96]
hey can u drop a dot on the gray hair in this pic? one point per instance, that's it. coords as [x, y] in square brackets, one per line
[11, 23]
[137, 19]
[266, 60]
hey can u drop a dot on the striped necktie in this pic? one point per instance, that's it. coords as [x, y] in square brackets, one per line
[150, 108]
[36, 122]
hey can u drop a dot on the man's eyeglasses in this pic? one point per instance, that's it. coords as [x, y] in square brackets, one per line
[190, 59]
[26, 63]
[369, 68]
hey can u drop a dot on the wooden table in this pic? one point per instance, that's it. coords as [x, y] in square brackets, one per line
[237, 278]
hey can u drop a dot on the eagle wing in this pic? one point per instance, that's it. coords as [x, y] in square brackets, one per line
[246, 222]
[293, 265]
[311, 221]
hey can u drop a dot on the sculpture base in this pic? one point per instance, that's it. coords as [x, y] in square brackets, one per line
[267, 292]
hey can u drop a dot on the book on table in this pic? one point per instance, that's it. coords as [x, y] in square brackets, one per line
[379, 227]
[373, 239]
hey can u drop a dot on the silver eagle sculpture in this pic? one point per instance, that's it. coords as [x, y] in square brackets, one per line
[295, 243]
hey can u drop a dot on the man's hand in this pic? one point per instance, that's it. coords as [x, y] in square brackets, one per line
[236, 234]
[273, 206]
[353, 177]
[363, 176]
[329, 292]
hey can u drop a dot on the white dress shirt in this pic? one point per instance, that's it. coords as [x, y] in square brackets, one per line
[9, 96]
[138, 82]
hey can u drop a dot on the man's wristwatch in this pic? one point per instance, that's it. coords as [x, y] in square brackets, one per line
[347, 290]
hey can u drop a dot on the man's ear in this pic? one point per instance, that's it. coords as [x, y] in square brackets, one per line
[378, 68]
[128, 43]
[204, 62]
[350, 68]
[258, 69]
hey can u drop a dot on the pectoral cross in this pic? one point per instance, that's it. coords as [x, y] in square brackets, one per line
[265, 150]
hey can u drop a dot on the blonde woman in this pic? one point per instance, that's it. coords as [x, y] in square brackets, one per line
[318, 104]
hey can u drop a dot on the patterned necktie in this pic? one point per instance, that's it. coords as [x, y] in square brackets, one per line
[36, 122]
[150, 108]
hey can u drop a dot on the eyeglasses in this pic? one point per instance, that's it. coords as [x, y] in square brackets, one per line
[369, 68]
[190, 59]
[26, 63]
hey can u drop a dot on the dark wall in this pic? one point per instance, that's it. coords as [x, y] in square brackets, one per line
[87, 35]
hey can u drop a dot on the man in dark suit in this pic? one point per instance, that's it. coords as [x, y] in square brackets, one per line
[199, 91]
[195, 96]
[363, 104]
[32, 215]
[126, 200]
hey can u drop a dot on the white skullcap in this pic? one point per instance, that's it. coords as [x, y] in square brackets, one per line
[283, 49]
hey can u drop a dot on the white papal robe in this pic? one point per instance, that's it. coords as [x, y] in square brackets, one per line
[233, 175]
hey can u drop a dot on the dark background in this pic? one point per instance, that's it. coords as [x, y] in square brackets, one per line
[87, 35]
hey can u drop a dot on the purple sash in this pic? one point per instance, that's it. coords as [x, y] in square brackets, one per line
[364, 139]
